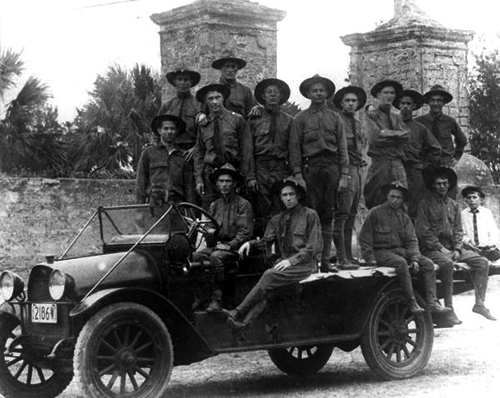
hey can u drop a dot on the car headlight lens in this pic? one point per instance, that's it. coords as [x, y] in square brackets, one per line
[11, 285]
[57, 284]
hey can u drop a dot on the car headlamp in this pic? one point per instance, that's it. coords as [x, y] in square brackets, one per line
[11, 285]
[59, 284]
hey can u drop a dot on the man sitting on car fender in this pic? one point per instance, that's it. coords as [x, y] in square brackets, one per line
[297, 235]
[387, 238]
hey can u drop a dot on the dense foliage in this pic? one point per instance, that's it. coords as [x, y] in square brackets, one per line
[484, 107]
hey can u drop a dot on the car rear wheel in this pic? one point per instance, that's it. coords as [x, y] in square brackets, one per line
[396, 344]
[304, 360]
[124, 350]
[20, 374]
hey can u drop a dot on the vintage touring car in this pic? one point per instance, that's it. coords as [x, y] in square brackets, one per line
[117, 311]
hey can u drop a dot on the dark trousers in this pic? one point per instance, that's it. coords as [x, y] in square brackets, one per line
[416, 186]
[345, 215]
[322, 176]
[479, 273]
[398, 259]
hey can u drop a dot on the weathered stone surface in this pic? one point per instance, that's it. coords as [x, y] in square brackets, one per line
[198, 33]
[41, 216]
[417, 51]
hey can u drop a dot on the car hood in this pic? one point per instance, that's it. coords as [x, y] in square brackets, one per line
[138, 269]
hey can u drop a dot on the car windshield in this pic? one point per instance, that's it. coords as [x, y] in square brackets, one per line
[125, 225]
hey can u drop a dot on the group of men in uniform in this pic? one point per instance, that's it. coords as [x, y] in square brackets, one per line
[255, 169]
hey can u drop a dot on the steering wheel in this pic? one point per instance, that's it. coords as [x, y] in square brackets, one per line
[198, 221]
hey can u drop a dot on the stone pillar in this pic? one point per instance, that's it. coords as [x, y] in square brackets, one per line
[416, 51]
[198, 33]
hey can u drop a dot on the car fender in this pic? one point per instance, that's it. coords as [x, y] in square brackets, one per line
[189, 345]
[8, 318]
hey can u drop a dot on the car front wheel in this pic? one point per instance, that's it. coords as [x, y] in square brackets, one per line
[124, 350]
[396, 344]
[21, 375]
[304, 360]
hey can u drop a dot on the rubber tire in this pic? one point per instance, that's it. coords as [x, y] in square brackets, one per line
[111, 319]
[289, 361]
[10, 386]
[390, 367]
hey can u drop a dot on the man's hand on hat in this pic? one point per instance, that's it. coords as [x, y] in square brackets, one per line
[222, 246]
[253, 185]
[414, 268]
[455, 255]
[282, 265]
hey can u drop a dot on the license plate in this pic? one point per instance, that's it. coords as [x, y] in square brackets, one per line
[44, 313]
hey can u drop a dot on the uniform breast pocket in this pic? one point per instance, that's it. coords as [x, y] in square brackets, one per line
[311, 133]
[382, 233]
[299, 237]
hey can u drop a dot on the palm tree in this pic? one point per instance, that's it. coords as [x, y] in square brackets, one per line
[30, 136]
[112, 126]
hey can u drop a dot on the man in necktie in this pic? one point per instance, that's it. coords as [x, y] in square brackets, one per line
[319, 157]
[240, 99]
[349, 100]
[184, 105]
[422, 149]
[265, 150]
[481, 232]
[296, 233]
[445, 128]
[218, 141]
[388, 239]
[387, 136]
[439, 230]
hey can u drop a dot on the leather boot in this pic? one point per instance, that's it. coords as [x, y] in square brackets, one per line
[236, 317]
[215, 303]
[432, 304]
[414, 307]
[327, 245]
[348, 228]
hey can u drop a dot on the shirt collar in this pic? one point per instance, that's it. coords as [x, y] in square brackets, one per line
[320, 109]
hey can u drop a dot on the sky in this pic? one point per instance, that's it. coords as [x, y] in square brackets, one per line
[67, 43]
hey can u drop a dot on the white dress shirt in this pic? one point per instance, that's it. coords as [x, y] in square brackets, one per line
[487, 229]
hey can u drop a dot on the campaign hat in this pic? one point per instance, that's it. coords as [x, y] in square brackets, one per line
[306, 84]
[262, 85]
[229, 57]
[378, 87]
[226, 169]
[400, 186]
[418, 99]
[193, 75]
[431, 173]
[156, 123]
[291, 182]
[472, 188]
[358, 91]
[220, 88]
[438, 90]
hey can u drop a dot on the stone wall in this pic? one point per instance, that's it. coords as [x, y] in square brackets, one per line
[41, 216]
[198, 33]
[416, 51]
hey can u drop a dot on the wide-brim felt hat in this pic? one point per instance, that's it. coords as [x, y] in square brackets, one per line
[472, 188]
[431, 173]
[378, 87]
[262, 85]
[438, 90]
[400, 186]
[193, 76]
[219, 63]
[418, 99]
[290, 182]
[157, 121]
[226, 169]
[306, 84]
[358, 91]
[220, 88]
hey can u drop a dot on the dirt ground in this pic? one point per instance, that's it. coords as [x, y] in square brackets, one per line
[465, 363]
